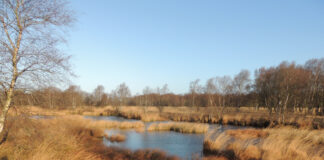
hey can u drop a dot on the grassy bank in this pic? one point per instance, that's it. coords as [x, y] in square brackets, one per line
[267, 144]
[65, 137]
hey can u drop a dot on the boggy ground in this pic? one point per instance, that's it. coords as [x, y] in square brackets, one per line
[243, 116]
[73, 137]
[66, 138]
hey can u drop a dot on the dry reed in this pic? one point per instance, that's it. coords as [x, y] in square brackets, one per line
[268, 144]
[179, 127]
[65, 138]
[243, 116]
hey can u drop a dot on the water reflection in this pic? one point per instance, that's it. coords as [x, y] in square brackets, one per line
[182, 145]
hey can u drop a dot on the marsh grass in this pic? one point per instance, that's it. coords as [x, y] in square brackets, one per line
[115, 124]
[247, 133]
[65, 138]
[277, 143]
[182, 127]
[48, 139]
[243, 116]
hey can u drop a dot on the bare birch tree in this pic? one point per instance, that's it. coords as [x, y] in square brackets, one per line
[195, 88]
[161, 94]
[241, 82]
[211, 90]
[224, 86]
[30, 32]
[98, 93]
[147, 91]
[123, 93]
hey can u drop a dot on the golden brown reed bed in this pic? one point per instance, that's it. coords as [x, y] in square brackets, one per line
[267, 144]
[115, 124]
[244, 116]
[145, 117]
[64, 138]
[182, 127]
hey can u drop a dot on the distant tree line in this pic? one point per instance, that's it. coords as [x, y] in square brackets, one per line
[283, 88]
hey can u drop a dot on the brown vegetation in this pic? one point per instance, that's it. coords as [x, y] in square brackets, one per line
[115, 137]
[244, 116]
[65, 137]
[48, 139]
[277, 143]
[115, 124]
[146, 114]
[179, 127]
[247, 133]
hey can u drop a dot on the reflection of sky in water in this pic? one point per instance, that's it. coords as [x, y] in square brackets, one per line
[182, 145]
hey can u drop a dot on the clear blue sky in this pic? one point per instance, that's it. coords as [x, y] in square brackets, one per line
[153, 42]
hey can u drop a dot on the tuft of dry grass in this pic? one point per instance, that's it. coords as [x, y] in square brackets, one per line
[290, 143]
[116, 138]
[179, 127]
[48, 139]
[277, 143]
